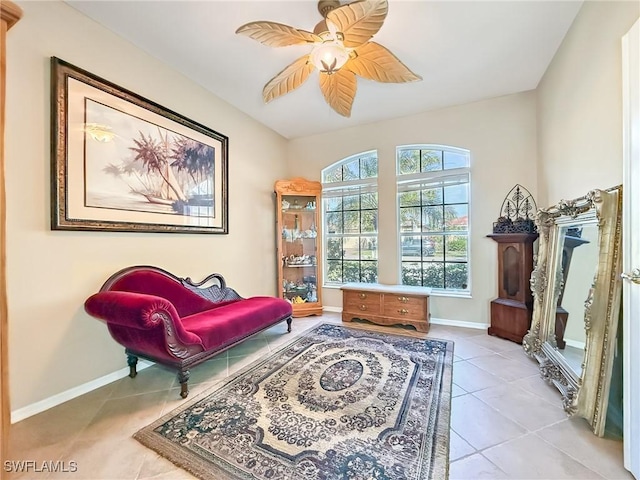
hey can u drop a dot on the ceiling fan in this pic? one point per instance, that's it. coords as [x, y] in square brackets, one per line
[341, 50]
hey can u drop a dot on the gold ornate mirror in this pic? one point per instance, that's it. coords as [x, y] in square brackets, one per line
[577, 297]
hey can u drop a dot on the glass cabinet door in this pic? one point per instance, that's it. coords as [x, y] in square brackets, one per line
[299, 249]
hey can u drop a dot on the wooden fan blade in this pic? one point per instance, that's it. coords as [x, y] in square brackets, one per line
[288, 79]
[275, 34]
[375, 62]
[359, 21]
[339, 90]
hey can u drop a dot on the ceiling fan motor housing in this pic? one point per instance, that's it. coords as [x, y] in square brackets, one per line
[325, 6]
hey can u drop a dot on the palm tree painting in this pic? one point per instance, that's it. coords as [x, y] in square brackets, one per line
[145, 167]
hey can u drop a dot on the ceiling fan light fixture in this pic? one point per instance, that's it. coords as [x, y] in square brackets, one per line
[329, 56]
[342, 49]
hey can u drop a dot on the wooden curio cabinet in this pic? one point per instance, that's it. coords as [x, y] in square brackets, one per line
[298, 203]
[511, 312]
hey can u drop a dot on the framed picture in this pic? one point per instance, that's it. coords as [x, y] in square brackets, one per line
[123, 163]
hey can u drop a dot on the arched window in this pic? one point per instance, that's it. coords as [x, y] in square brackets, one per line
[433, 184]
[350, 219]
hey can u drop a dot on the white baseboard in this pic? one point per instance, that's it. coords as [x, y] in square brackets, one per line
[47, 403]
[332, 309]
[459, 323]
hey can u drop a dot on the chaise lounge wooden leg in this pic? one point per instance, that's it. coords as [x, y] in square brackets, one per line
[289, 320]
[132, 361]
[183, 378]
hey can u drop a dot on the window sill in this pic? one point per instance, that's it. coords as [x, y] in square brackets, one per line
[434, 293]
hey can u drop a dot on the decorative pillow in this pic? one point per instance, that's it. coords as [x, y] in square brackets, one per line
[214, 293]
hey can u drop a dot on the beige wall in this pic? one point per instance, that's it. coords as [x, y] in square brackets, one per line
[580, 105]
[54, 345]
[501, 135]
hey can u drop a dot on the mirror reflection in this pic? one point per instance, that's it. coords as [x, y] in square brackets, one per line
[579, 262]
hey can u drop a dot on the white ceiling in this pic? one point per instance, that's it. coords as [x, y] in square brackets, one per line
[464, 50]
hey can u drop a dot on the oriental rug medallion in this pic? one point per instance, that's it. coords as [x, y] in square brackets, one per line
[334, 403]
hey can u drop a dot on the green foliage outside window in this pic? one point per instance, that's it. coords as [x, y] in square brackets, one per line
[433, 275]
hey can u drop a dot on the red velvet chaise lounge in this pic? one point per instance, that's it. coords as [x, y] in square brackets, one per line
[178, 323]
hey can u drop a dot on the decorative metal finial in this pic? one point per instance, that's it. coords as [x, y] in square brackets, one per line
[517, 213]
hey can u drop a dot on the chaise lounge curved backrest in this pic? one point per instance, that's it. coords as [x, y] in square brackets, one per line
[178, 323]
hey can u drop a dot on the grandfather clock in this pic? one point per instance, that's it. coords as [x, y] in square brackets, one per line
[511, 312]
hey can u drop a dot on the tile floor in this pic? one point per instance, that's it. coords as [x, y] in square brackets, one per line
[506, 422]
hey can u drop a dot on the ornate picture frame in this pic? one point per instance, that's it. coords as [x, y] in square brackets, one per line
[584, 388]
[121, 162]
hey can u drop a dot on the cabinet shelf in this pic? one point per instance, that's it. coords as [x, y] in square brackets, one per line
[298, 237]
[301, 238]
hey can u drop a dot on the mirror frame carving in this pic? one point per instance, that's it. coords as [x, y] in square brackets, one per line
[585, 395]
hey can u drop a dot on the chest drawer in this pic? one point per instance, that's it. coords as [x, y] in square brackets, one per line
[368, 302]
[405, 306]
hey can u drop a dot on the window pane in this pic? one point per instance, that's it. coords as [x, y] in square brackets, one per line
[351, 171]
[408, 199]
[456, 247]
[352, 222]
[457, 276]
[411, 273]
[431, 160]
[457, 217]
[457, 193]
[428, 247]
[334, 248]
[368, 248]
[437, 241]
[411, 247]
[433, 275]
[334, 271]
[410, 219]
[369, 272]
[408, 161]
[455, 160]
[351, 202]
[432, 219]
[334, 222]
[432, 196]
[369, 167]
[369, 221]
[352, 248]
[351, 271]
[369, 201]
[333, 204]
[333, 175]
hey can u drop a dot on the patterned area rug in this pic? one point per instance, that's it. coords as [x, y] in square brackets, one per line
[335, 403]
